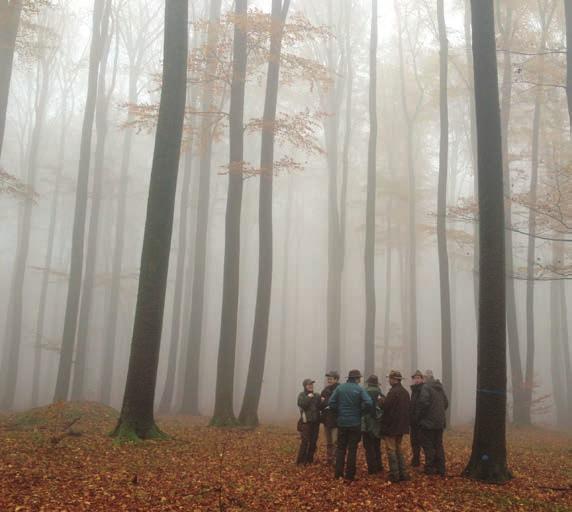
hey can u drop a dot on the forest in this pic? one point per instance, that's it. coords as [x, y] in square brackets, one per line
[207, 207]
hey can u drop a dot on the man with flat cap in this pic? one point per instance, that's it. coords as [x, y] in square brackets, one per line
[329, 416]
[349, 401]
[394, 425]
[309, 423]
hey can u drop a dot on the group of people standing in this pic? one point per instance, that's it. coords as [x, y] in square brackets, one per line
[351, 413]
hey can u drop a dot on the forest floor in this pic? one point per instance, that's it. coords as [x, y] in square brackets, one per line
[49, 464]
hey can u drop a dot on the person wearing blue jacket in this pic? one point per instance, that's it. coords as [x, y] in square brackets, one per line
[349, 401]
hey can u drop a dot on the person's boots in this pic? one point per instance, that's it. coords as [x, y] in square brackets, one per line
[403, 475]
[393, 468]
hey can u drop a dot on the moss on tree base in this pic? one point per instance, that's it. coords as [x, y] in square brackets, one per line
[126, 432]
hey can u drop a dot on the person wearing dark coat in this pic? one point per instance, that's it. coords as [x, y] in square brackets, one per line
[371, 427]
[417, 384]
[309, 422]
[394, 425]
[430, 416]
[329, 416]
[349, 401]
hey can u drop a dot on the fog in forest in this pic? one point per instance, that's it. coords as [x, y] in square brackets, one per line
[317, 316]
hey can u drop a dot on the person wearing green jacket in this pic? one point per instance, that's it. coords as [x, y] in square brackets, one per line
[371, 427]
[309, 422]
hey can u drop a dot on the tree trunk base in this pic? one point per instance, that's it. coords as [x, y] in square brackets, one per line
[485, 471]
[248, 419]
[224, 420]
[127, 432]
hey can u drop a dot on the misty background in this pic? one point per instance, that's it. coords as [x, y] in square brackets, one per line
[49, 83]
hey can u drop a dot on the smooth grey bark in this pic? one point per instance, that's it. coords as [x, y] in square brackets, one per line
[545, 20]
[412, 211]
[249, 411]
[180, 278]
[77, 251]
[10, 15]
[12, 345]
[284, 316]
[191, 388]
[369, 254]
[565, 341]
[224, 407]
[444, 280]
[556, 355]
[488, 456]
[330, 103]
[507, 30]
[101, 126]
[473, 144]
[136, 47]
[347, 133]
[568, 18]
[38, 349]
[137, 415]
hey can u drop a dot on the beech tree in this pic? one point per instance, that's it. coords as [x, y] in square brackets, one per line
[10, 15]
[249, 412]
[137, 417]
[488, 456]
[224, 412]
[369, 256]
[191, 387]
[444, 286]
[101, 8]
[10, 359]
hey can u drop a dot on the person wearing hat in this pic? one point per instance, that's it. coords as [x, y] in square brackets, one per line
[349, 401]
[430, 416]
[328, 416]
[371, 427]
[309, 422]
[416, 385]
[394, 425]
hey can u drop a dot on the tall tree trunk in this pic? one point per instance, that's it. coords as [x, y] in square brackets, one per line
[556, 356]
[49, 257]
[10, 14]
[531, 252]
[108, 359]
[388, 274]
[507, 31]
[488, 456]
[335, 257]
[224, 410]
[137, 418]
[191, 389]
[11, 352]
[101, 127]
[180, 278]
[284, 316]
[568, 15]
[444, 283]
[473, 143]
[347, 134]
[249, 411]
[369, 255]
[76, 271]
[412, 221]
[565, 340]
